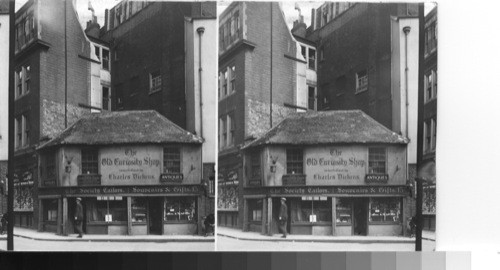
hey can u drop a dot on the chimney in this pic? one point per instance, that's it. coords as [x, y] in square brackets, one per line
[313, 19]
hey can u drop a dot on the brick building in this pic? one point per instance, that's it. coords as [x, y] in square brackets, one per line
[4, 101]
[427, 138]
[136, 172]
[53, 58]
[368, 60]
[262, 79]
[341, 173]
[162, 58]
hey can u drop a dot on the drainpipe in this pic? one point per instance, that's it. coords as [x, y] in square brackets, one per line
[65, 67]
[200, 31]
[406, 30]
[271, 77]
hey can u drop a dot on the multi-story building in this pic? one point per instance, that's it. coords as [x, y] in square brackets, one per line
[427, 145]
[4, 102]
[368, 60]
[53, 57]
[136, 172]
[161, 56]
[341, 173]
[262, 79]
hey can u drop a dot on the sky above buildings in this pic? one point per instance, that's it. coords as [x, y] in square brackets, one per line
[291, 14]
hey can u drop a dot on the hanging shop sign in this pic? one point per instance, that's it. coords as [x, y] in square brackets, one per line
[123, 190]
[294, 180]
[329, 190]
[168, 178]
[377, 178]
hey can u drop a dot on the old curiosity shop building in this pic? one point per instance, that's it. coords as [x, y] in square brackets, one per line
[136, 172]
[341, 172]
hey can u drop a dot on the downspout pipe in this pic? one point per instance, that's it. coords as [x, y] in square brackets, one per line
[200, 31]
[271, 69]
[406, 30]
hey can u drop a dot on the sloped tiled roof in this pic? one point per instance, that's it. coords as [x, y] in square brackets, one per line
[329, 127]
[123, 127]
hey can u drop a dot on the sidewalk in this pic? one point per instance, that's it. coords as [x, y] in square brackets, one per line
[49, 236]
[253, 236]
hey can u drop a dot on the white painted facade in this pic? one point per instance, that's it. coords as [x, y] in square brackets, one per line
[405, 86]
[201, 116]
[4, 85]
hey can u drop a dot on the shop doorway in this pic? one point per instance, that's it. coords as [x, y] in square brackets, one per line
[155, 215]
[360, 214]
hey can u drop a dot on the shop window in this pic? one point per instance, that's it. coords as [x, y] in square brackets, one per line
[385, 210]
[154, 82]
[311, 209]
[180, 209]
[171, 160]
[105, 59]
[344, 211]
[114, 207]
[376, 160]
[361, 81]
[294, 161]
[255, 165]
[255, 210]
[90, 162]
[50, 210]
[139, 210]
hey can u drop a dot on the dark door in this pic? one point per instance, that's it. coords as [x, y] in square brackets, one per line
[360, 209]
[155, 215]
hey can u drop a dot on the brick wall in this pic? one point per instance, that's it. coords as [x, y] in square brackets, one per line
[358, 40]
[141, 50]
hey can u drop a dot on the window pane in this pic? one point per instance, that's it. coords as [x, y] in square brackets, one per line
[255, 210]
[385, 210]
[180, 209]
[139, 211]
[90, 163]
[344, 211]
[171, 160]
[376, 160]
[98, 209]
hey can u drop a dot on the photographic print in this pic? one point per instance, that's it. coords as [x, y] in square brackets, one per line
[114, 125]
[327, 126]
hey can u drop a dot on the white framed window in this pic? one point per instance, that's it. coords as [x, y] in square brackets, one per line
[430, 135]
[309, 55]
[106, 98]
[233, 78]
[105, 59]
[22, 131]
[223, 132]
[377, 157]
[311, 98]
[154, 82]
[430, 85]
[361, 81]
[230, 124]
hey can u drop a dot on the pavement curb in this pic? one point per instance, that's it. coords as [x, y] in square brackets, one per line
[70, 239]
[321, 240]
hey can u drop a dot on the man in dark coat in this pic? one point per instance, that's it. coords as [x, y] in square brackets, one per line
[283, 217]
[209, 224]
[79, 217]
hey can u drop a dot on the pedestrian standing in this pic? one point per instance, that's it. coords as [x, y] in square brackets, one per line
[283, 217]
[79, 217]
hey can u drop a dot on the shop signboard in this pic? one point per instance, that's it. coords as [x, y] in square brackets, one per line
[169, 178]
[376, 178]
[337, 165]
[130, 165]
[122, 190]
[294, 180]
[254, 182]
[329, 190]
